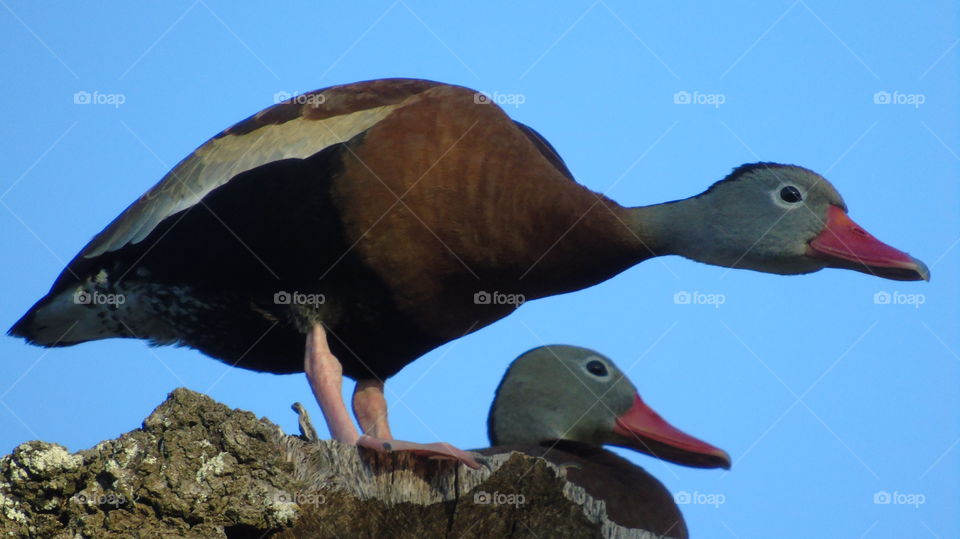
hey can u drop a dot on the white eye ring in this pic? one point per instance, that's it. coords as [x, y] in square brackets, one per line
[775, 195]
[600, 368]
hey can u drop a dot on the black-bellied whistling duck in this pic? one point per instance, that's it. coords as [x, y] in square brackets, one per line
[563, 403]
[376, 221]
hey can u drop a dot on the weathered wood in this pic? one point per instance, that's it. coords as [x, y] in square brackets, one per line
[200, 469]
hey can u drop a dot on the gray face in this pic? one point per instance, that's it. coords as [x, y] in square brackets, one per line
[763, 218]
[559, 392]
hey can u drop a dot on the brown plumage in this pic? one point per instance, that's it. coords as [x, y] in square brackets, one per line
[634, 498]
[375, 212]
[398, 229]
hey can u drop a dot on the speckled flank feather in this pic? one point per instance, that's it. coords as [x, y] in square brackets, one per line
[99, 309]
[633, 498]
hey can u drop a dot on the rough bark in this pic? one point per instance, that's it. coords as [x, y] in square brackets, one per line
[199, 469]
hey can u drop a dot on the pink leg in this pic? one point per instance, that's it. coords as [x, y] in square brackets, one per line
[370, 408]
[325, 375]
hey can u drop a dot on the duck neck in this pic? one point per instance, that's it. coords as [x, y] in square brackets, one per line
[610, 238]
[674, 228]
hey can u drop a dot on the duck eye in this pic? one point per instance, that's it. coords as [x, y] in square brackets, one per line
[790, 194]
[597, 368]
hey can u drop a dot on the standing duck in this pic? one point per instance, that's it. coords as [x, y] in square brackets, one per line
[350, 230]
[563, 403]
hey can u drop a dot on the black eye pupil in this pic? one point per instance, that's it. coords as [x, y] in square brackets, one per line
[597, 368]
[790, 194]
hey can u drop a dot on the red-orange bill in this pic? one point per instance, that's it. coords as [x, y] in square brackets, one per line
[644, 430]
[845, 244]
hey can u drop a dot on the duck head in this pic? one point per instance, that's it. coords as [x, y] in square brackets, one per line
[561, 392]
[780, 219]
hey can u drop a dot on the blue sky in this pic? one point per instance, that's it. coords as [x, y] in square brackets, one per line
[824, 398]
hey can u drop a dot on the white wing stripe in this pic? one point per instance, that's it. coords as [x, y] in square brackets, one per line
[220, 159]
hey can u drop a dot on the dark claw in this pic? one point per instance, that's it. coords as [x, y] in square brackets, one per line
[482, 461]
